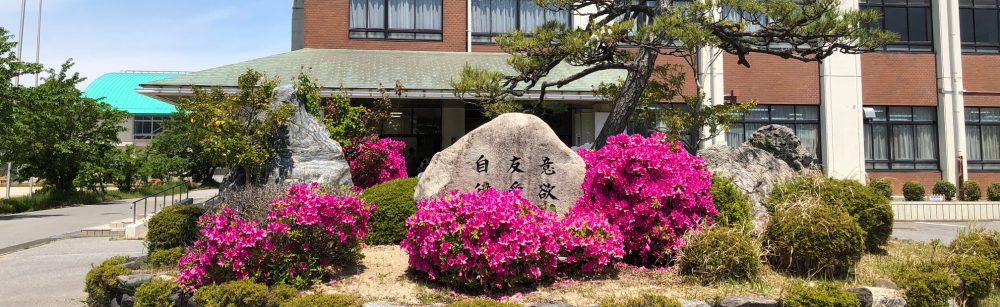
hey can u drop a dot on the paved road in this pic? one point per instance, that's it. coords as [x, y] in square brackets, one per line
[23, 228]
[927, 231]
[52, 274]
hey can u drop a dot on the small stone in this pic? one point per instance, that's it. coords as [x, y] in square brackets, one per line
[379, 304]
[885, 283]
[687, 303]
[129, 283]
[127, 301]
[878, 297]
[514, 150]
[736, 301]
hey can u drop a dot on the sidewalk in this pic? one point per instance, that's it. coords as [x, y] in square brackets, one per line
[27, 227]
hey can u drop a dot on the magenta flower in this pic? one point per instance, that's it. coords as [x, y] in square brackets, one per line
[373, 160]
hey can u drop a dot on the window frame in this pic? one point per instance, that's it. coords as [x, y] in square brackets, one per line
[976, 47]
[908, 45]
[790, 123]
[981, 163]
[155, 126]
[387, 31]
[517, 24]
[892, 161]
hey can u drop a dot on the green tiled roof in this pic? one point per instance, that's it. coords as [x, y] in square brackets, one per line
[118, 90]
[365, 69]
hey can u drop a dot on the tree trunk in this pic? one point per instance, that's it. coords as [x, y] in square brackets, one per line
[628, 99]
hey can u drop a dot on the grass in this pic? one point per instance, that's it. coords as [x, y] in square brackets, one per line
[47, 199]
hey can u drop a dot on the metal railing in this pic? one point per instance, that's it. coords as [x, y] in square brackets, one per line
[174, 192]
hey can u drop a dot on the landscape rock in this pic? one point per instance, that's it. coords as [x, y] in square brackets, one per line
[736, 301]
[510, 151]
[885, 283]
[686, 303]
[878, 297]
[128, 283]
[753, 170]
[304, 150]
[782, 142]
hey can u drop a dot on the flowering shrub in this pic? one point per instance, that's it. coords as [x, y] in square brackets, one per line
[589, 242]
[487, 239]
[229, 248]
[304, 236]
[651, 189]
[374, 160]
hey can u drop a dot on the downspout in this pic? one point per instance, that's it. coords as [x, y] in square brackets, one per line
[957, 99]
[468, 25]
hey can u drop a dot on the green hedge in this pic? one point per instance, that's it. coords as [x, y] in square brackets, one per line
[971, 191]
[718, 254]
[813, 240]
[868, 206]
[913, 191]
[393, 204]
[154, 293]
[165, 257]
[926, 284]
[324, 300]
[101, 279]
[823, 294]
[993, 192]
[945, 188]
[882, 185]
[733, 206]
[174, 226]
[977, 274]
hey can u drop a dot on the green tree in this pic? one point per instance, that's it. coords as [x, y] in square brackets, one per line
[235, 129]
[56, 132]
[10, 93]
[176, 152]
[614, 39]
[344, 120]
[126, 164]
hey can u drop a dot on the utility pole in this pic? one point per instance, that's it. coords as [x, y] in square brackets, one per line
[38, 52]
[17, 79]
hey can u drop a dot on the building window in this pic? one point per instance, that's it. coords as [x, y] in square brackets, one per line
[803, 119]
[494, 17]
[396, 19]
[982, 138]
[911, 19]
[902, 138]
[145, 127]
[980, 24]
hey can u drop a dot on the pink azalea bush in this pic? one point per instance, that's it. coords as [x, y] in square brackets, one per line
[304, 238]
[374, 160]
[588, 242]
[651, 189]
[482, 240]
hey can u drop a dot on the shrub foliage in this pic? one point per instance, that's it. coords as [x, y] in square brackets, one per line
[977, 273]
[374, 160]
[943, 187]
[913, 191]
[977, 242]
[809, 239]
[993, 192]
[166, 257]
[644, 300]
[822, 294]
[882, 185]
[232, 293]
[174, 226]
[324, 300]
[652, 189]
[393, 204]
[926, 284]
[971, 191]
[154, 293]
[720, 253]
[588, 242]
[101, 279]
[733, 206]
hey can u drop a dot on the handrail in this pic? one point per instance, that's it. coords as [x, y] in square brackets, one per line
[183, 189]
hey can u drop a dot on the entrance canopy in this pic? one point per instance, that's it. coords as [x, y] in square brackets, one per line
[423, 74]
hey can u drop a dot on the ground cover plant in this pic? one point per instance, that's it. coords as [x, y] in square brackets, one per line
[808, 238]
[49, 199]
[718, 254]
[733, 206]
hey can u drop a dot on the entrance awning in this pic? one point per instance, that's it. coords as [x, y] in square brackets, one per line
[423, 74]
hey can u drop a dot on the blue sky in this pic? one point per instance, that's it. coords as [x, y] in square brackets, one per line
[105, 36]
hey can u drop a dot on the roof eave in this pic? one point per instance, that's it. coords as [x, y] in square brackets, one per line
[163, 92]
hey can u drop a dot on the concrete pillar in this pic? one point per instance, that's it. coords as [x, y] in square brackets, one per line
[583, 126]
[452, 124]
[841, 113]
[298, 24]
[951, 103]
[710, 75]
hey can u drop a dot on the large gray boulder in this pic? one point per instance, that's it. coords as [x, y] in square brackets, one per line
[753, 170]
[879, 297]
[782, 142]
[304, 151]
[513, 150]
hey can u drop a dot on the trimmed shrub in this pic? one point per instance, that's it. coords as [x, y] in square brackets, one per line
[809, 239]
[977, 274]
[374, 160]
[393, 204]
[174, 226]
[977, 242]
[588, 242]
[926, 284]
[869, 207]
[882, 185]
[993, 192]
[651, 189]
[154, 293]
[644, 300]
[482, 240]
[233, 293]
[823, 294]
[732, 205]
[482, 302]
[166, 257]
[945, 188]
[324, 300]
[720, 253]
[971, 191]
[913, 191]
[281, 293]
[101, 279]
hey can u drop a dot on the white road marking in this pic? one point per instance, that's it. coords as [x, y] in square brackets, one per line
[938, 224]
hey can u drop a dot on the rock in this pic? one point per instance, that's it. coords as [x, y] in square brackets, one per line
[304, 151]
[126, 301]
[736, 301]
[885, 283]
[128, 283]
[878, 297]
[782, 142]
[755, 171]
[135, 263]
[512, 150]
[686, 303]
[379, 304]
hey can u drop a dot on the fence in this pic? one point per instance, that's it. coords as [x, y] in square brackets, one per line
[946, 211]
